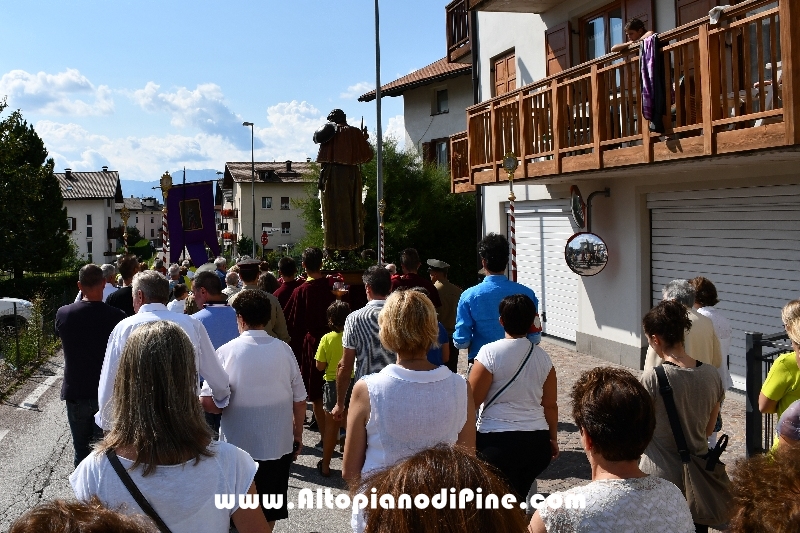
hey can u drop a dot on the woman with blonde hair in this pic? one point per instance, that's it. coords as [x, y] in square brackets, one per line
[782, 386]
[408, 406]
[160, 440]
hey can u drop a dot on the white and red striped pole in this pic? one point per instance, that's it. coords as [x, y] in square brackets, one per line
[164, 236]
[381, 244]
[512, 232]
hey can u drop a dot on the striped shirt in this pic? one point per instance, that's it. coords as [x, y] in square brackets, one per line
[361, 334]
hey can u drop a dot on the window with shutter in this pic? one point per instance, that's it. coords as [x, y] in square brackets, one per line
[505, 73]
[558, 48]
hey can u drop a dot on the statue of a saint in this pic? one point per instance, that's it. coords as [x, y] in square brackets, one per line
[342, 150]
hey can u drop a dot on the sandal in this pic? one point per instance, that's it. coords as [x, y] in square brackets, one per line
[321, 473]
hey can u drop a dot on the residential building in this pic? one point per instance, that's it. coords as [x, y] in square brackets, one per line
[90, 198]
[146, 215]
[273, 190]
[714, 194]
[435, 98]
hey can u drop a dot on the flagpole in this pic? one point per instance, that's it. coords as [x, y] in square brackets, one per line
[379, 143]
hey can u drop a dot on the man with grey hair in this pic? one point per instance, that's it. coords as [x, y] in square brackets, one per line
[109, 275]
[700, 341]
[221, 266]
[150, 294]
[232, 282]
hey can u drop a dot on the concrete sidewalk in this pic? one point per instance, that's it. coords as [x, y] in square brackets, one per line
[572, 467]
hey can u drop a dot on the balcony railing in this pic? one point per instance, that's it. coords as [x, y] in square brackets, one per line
[230, 213]
[458, 44]
[730, 88]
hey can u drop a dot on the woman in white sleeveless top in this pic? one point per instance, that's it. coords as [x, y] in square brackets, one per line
[409, 406]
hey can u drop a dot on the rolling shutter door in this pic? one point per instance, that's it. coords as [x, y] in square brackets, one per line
[745, 240]
[541, 237]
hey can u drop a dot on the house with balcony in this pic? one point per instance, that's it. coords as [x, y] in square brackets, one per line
[267, 192]
[146, 215]
[714, 194]
[90, 198]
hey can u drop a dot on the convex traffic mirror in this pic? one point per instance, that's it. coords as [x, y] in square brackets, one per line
[586, 254]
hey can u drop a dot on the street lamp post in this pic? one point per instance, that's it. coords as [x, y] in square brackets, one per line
[253, 180]
[379, 140]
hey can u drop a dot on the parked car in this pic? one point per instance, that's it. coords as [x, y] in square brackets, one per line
[23, 315]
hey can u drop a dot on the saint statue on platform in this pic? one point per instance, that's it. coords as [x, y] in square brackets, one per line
[342, 150]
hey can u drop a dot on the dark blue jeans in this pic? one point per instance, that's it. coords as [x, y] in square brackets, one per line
[85, 432]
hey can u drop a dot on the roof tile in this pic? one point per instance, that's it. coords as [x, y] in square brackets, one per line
[438, 70]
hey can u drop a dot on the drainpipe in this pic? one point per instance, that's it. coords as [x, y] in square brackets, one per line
[476, 98]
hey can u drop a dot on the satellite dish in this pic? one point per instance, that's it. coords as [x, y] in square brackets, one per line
[577, 207]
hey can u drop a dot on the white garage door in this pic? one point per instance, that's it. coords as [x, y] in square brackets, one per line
[745, 240]
[542, 234]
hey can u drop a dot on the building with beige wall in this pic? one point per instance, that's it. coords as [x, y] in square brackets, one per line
[277, 185]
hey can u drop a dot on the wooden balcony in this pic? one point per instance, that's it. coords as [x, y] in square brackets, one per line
[458, 44]
[730, 88]
[513, 6]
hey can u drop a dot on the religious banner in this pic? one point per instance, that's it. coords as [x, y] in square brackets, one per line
[190, 216]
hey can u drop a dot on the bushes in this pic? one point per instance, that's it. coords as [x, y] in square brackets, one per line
[62, 284]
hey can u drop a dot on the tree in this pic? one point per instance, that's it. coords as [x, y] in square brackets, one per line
[421, 213]
[33, 219]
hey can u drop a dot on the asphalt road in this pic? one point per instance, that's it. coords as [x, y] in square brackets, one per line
[36, 458]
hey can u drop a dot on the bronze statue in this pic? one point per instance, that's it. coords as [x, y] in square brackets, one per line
[342, 150]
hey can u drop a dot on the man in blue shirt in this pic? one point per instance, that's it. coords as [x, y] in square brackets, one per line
[477, 314]
[217, 316]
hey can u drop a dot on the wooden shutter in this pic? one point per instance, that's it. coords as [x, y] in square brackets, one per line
[690, 10]
[642, 10]
[558, 48]
[428, 154]
[505, 74]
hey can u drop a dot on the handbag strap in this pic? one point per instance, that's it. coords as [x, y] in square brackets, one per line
[510, 381]
[672, 413]
[134, 490]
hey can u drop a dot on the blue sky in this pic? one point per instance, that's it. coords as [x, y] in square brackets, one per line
[148, 86]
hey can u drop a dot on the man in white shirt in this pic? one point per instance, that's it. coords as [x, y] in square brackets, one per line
[150, 293]
[110, 275]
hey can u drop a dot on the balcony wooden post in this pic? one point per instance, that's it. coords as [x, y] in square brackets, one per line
[709, 80]
[557, 127]
[524, 121]
[597, 92]
[790, 61]
[494, 139]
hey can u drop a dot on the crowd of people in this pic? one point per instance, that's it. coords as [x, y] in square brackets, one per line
[181, 383]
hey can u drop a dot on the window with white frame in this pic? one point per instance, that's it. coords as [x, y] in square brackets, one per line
[285, 228]
[266, 202]
[284, 202]
[266, 226]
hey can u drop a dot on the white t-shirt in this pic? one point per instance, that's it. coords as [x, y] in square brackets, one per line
[182, 495]
[177, 306]
[265, 384]
[519, 408]
[636, 505]
[724, 331]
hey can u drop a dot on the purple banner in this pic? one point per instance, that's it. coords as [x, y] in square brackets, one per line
[190, 216]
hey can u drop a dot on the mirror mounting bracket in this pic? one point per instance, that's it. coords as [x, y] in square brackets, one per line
[605, 192]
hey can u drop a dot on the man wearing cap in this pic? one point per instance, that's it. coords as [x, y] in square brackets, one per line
[477, 315]
[249, 269]
[410, 263]
[449, 295]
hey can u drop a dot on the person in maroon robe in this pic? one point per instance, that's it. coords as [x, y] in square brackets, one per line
[409, 262]
[289, 281]
[307, 318]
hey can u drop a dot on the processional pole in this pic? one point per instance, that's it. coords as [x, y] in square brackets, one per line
[510, 164]
[166, 185]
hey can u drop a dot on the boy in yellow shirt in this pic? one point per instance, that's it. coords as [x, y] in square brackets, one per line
[328, 355]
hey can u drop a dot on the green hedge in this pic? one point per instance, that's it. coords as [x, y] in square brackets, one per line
[59, 284]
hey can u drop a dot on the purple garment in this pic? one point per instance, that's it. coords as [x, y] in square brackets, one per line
[652, 76]
[648, 66]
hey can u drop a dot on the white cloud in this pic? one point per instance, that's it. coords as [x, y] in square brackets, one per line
[354, 91]
[287, 135]
[64, 93]
[397, 130]
[203, 108]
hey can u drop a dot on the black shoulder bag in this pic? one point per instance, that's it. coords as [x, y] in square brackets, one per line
[134, 490]
[705, 481]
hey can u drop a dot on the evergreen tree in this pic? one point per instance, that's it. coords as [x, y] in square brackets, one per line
[33, 219]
